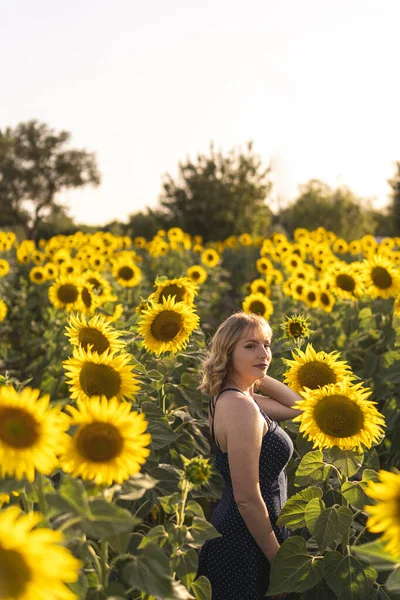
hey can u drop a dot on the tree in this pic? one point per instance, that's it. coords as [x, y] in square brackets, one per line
[219, 196]
[146, 224]
[394, 208]
[34, 167]
[337, 210]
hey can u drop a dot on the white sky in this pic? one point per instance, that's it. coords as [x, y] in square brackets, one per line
[146, 83]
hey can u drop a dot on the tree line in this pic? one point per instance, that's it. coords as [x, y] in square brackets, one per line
[214, 196]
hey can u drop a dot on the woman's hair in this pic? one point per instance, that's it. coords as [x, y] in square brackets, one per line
[214, 368]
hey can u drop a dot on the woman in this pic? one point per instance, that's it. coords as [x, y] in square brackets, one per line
[252, 453]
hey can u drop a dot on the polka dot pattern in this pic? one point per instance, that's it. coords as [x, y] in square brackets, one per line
[234, 563]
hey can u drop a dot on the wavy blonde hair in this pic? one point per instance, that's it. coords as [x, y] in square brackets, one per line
[215, 366]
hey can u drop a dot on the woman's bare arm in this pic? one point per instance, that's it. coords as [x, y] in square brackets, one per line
[278, 399]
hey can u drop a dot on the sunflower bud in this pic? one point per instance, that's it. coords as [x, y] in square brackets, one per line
[197, 470]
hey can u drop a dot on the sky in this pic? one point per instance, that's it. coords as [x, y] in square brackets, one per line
[146, 85]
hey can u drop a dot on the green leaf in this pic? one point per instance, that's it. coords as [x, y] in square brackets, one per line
[311, 469]
[393, 581]
[347, 461]
[375, 554]
[161, 435]
[331, 526]
[332, 560]
[155, 536]
[185, 564]
[201, 588]
[171, 503]
[352, 582]
[73, 491]
[136, 486]
[320, 592]
[11, 485]
[177, 533]
[201, 531]
[193, 509]
[149, 572]
[293, 569]
[292, 514]
[107, 520]
[312, 512]
[354, 494]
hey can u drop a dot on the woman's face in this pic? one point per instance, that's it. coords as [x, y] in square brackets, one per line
[252, 354]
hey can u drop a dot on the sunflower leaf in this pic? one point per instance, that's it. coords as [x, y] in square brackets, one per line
[393, 581]
[347, 461]
[312, 512]
[311, 469]
[201, 588]
[354, 494]
[293, 513]
[331, 526]
[352, 581]
[293, 569]
[375, 554]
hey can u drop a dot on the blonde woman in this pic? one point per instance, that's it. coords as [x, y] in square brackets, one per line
[252, 451]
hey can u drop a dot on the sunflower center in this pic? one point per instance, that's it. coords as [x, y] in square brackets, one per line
[18, 428]
[88, 335]
[338, 416]
[195, 275]
[311, 296]
[96, 380]
[315, 374]
[324, 299]
[99, 442]
[261, 289]
[166, 326]
[381, 278]
[126, 273]
[14, 574]
[38, 275]
[345, 282]
[96, 284]
[67, 293]
[173, 290]
[86, 297]
[257, 307]
[296, 329]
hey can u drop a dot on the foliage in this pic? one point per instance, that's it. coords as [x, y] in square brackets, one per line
[337, 210]
[218, 195]
[35, 166]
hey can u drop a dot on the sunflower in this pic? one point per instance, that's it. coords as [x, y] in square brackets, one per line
[340, 246]
[384, 517]
[50, 270]
[339, 414]
[3, 310]
[91, 374]
[258, 304]
[245, 239]
[109, 444]
[197, 274]
[183, 289]
[355, 247]
[140, 242]
[73, 267]
[175, 234]
[259, 286]
[117, 314]
[296, 327]
[326, 300]
[274, 277]
[310, 295]
[4, 267]
[66, 293]
[89, 299]
[292, 262]
[96, 334]
[345, 281]
[127, 273]
[167, 327]
[37, 275]
[101, 286]
[210, 257]
[313, 369]
[33, 563]
[381, 277]
[30, 433]
[264, 265]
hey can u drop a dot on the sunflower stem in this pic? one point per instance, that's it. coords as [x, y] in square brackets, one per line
[185, 492]
[104, 563]
[27, 505]
[41, 495]
[96, 562]
[69, 523]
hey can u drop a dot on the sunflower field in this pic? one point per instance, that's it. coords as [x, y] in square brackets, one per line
[107, 480]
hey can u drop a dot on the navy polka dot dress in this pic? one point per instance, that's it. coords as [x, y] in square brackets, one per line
[234, 563]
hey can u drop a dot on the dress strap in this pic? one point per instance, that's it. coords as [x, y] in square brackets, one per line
[212, 409]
